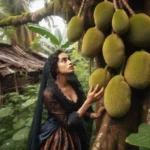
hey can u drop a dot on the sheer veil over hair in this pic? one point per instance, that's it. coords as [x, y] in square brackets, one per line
[48, 80]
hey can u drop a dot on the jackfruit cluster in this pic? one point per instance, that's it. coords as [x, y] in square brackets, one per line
[136, 74]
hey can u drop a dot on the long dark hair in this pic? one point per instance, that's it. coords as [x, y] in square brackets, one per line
[48, 76]
[53, 63]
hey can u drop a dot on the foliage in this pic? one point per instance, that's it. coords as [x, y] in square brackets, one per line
[5, 34]
[47, 41]
[14, 7]
[16, 117]
[21, 34]
[141, 138]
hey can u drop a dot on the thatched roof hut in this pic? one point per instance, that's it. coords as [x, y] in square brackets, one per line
[19, 67]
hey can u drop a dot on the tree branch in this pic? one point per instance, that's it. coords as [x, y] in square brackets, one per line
[33, 17]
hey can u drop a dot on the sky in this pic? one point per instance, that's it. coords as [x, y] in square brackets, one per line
[38, 4]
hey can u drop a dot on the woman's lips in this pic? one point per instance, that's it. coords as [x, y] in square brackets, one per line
[71, 67]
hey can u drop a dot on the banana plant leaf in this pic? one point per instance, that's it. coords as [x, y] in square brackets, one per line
[44, 32]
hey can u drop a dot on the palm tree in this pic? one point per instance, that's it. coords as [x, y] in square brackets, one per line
[21, 35]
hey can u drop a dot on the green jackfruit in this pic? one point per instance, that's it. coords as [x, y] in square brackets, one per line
[117, 97]
[92, 42]
[75, 29]
[103, 14]
[120, 22]
[137, 70]
[99, 76]
[113, 51]
[139, 30]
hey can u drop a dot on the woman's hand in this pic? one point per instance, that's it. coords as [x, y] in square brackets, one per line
[93, 95]
[97, 114]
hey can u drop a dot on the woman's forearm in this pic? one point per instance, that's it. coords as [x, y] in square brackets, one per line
[82, 110]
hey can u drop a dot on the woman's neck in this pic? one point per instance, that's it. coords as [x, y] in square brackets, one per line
[62, 81]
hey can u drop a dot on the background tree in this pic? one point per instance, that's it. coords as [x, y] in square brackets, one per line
[19, 35]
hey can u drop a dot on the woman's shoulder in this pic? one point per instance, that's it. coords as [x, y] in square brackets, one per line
[48, 92]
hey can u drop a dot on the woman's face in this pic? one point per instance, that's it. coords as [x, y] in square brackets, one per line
[64, 65]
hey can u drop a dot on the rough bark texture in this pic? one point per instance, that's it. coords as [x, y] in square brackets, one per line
[65, 9]
[52, 8]
[145, 114]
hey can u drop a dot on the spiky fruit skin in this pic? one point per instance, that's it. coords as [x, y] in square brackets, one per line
[99, 76]
[92, 42]
[139, 30]
[103, 14]
[113, 51]
[137, 70]
[120, 22]
[75, 29]
[117, 97]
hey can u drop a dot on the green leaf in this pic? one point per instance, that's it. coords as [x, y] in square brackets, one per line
[15, 119]
[141, 148]
[2, 130]
[29, 122]
[29, 102]
[21, 134]
[44, 32]
[19, 124]
[8, 145]
[142, 138]
[4, 112]
[58, 34]
[67, 44]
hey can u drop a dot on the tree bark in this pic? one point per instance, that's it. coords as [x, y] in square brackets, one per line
[63, 8]
[52, 8]
[145, 115]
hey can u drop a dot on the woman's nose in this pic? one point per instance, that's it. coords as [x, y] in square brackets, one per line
[69, 62]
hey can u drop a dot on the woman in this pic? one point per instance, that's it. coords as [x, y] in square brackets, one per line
[63, 97]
